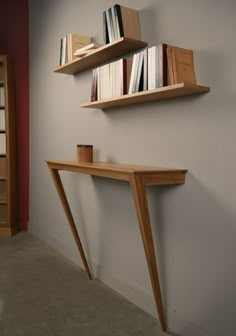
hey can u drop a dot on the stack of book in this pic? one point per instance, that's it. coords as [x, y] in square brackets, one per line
[2, 120]
[87, 50]
[2, 144]
[180, 66]
[120, 21]
[111, 80]
[69, 44]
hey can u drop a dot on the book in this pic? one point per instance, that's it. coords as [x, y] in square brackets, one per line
[114, 24]
[2, 96]
[170, 72]
[127, 66]
[162, 65]
[183, 66]
[151, 67]
[138, 80]
[129, 25]
[109, 26]
[133, 73]
[86, 49]
[94, 85]
[74, 42]
[105, 29]
[2, 120]
[63, 51]
[145, 69]
[118, 19]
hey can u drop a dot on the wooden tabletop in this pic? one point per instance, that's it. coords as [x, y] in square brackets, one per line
[119, 171]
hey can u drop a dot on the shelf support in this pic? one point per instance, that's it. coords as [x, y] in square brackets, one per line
[62, 195]
[140, 201]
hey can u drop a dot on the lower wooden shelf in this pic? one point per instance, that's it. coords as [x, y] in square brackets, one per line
[165, 92]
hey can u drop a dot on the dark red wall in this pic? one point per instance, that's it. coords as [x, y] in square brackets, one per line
[14, 41]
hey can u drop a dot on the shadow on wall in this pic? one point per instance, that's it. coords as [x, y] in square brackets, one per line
[195, 242]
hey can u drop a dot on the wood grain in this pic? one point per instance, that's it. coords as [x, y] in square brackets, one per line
[58, 184]
[140, 201]
[165, 92]
[106, 53]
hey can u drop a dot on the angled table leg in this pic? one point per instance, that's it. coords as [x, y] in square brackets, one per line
[61, 192]
[140, 200]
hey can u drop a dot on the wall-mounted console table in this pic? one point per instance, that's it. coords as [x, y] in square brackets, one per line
[138, 177]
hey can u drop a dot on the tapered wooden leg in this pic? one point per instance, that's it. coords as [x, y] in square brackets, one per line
[61, 192]
[141, 205]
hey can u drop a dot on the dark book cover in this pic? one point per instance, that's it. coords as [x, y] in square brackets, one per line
[141, 80]
[163, 77]
[94, 86]
[105, 29]
[60, 63]
[119, 18]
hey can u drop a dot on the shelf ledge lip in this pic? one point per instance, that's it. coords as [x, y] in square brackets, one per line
[165, 92]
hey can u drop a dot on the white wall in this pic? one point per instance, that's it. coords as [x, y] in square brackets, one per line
[194, 225]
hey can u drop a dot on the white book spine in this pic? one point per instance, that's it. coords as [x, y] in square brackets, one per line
[156, 60]
[131, 83]
[150, 68]
[139, 70]
[145, 69]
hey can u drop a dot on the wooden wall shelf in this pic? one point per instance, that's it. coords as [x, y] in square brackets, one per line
[166, 92]
[106, 53]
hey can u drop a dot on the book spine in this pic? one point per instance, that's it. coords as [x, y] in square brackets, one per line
[145, 69]
[60, 60]
[114, 25]
[139, 71]
[105, 29]
[109, 26]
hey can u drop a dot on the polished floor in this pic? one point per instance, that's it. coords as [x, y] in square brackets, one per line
[44, 294]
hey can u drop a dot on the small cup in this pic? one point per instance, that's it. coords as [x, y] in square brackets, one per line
[85, 153]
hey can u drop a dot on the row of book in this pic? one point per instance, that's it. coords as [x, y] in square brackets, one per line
[2, 120]
[69, 44]
[2, 96]
[150, 68]
[120, 21]
[111, 80]
[2, 143]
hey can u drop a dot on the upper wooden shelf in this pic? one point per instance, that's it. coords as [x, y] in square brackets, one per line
[166, 92]
[101, 55]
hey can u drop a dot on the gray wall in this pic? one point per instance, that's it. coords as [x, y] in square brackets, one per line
[194, 225]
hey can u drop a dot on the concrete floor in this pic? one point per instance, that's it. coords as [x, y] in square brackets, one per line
[44, 294]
